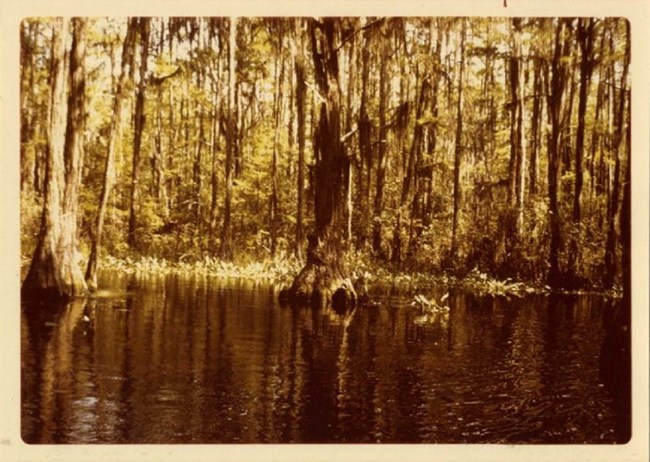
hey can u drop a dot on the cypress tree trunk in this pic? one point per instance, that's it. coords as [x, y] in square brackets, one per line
[620, 120]
[384, 90]
[277, 115]
[626, 225]
[555, 97]
[433, 132]
[410, 191]
[226, 249]
[301, 90]
[515, 126]
[585, 37]
[536, 122]
[597, 138]
[109, 169]
[322, 279]
[214, 179]
[585, 40]
[521, 131]
[28, 102]
[198, 180]
[458, 147]
[517, 163]
[365, 147]
[54, 270]
[138, 127]
[215, 134]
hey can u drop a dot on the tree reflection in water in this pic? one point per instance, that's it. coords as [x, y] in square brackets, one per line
[195, 360]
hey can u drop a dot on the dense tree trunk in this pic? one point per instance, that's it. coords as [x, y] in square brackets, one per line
[433, 131]
[406, 157]
[349, 128]
[301, 90]
[109, 168]
[197, 173]
[138, 128]
[492, 122]
[410, 184]
[418, 201]
[226, 249]
[277, 116]
[585, 37]
[382, 147]
[28, 107]
[620, 120]
[603, 169]
[215, 146]
[626, 222]
[610, 244]
[521, 131]
[517, 164]
[291, 113]
[536, 124]
[158, 160]
[214, 180]
[458, 151]
[175, 125]
[596, 135]
[409, 165]
[54, 270]
[585, 41]
[555, 98]
[323, 278]
[515, 115]
[365, 144]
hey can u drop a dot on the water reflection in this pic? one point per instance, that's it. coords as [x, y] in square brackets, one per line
[193, 360]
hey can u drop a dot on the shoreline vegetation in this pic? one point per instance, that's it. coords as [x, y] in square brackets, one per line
[280, 272]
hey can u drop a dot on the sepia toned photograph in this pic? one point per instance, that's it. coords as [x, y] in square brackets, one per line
[391, 234]
[325, 230]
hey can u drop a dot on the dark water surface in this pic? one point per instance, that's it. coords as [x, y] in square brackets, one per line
[196, 360]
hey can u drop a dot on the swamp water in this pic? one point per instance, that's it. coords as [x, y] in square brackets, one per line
[198, 360]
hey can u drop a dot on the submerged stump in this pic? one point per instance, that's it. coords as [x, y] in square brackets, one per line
[321, 281]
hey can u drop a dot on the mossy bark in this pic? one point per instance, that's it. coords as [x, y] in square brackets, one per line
[54, 271]
[323, 280]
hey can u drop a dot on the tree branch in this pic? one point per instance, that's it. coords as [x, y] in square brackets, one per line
[356, 32]
[345, 137]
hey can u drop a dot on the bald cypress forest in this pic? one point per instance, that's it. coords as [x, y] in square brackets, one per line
[433, 145]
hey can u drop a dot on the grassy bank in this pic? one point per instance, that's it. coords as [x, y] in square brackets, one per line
[280, 271]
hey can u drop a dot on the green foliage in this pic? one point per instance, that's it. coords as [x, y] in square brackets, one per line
[185, 136]
[481, 283]
[279, 270]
